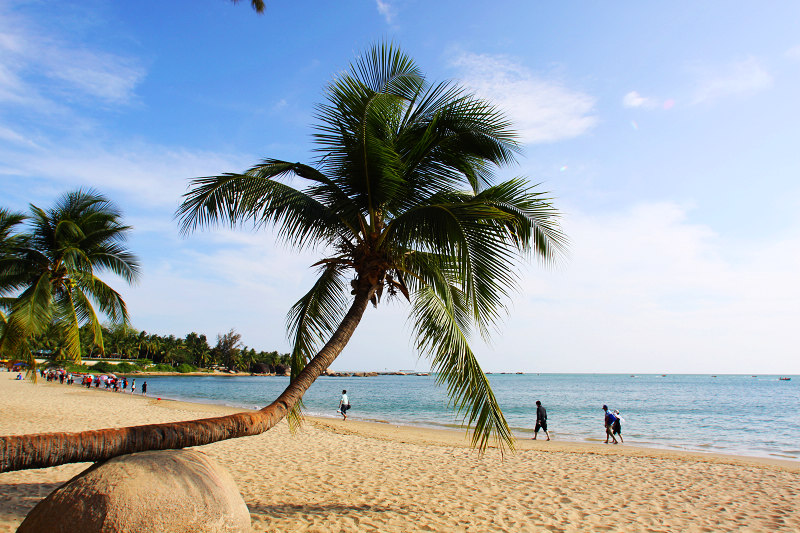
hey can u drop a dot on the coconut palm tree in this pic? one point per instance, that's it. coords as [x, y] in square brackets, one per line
[10, 240]
[51, 273]
[401, 202]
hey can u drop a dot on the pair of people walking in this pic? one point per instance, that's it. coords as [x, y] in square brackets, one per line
[613, 424]
[612, 420]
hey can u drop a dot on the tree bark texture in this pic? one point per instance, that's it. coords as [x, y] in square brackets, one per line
[20, 452]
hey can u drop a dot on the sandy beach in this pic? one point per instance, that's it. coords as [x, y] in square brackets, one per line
[356, 476]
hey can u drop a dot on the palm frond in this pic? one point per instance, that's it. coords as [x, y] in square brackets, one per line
[239, 198]
[67, 322]
[438, 333]
[311, 321]
[31, 311]
[313, 318]
[110, 301]
[85, 314]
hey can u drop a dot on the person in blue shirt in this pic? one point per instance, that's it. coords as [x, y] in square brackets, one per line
[610, 418]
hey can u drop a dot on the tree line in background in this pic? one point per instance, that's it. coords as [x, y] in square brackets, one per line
[166, 352]
[49, 289]
[403, 196]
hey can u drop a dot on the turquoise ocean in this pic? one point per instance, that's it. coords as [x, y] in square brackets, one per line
[732, 414]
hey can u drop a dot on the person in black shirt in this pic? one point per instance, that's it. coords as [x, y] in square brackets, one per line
[541, 420]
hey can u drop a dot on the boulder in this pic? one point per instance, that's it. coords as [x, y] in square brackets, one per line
[166, 491]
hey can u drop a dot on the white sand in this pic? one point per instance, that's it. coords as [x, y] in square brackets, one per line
[352, 476]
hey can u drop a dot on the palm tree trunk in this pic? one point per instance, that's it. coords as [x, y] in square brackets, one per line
[20, 452]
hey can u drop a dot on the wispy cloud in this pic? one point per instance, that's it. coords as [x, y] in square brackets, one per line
[8, 134]
[793, 53]
[386, 9]
[739, 78]
[146, 174]
[71, 71]
[542, 110]
[634, 99]
[647, 289]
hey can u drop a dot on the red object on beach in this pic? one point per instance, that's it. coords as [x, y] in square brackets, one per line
[159, 398]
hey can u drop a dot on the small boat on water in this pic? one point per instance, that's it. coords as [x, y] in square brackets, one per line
[784, 379]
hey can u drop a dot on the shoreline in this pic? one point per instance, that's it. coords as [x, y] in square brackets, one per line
[420, 434]
[354, 476]
[519, 433]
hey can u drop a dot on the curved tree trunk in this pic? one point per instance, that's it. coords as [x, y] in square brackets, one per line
[19, 452]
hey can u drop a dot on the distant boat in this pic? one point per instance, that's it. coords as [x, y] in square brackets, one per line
[784, 379]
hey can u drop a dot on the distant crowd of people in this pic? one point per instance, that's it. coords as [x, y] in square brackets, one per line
[108, 381]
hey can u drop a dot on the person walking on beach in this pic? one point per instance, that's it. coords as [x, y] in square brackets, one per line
[133, 386]
[616, 427]
[344, 404]
[144, 389]
[609, 422]
[541, 420]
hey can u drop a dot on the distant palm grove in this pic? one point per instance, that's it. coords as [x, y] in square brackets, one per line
[163, 353]
[49, 288]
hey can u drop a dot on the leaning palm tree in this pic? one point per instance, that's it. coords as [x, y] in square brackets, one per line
[401, 203]
[49, 276]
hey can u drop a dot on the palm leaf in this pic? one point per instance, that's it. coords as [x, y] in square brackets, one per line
[311, 321]
[66, 322]
[437, 331]
[238, 198]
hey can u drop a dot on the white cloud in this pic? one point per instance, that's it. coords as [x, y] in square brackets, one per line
[8, 134]
[217, 279]
[542, 110]
[28, 52]
[111, 78]
[793, 52]
[645, 290]
[387, 10]
[146, 174]
[634, 99]
[736, 79]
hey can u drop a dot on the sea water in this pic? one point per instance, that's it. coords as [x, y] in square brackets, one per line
[733, 414]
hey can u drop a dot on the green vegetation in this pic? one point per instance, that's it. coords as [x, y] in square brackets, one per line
[167, 353]
[403, 199]
[402, 195]
[48, 275]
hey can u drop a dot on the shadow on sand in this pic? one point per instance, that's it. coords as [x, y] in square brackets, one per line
[288, 510]
[17, 499]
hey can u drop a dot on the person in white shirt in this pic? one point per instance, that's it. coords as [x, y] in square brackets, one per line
[344, 404]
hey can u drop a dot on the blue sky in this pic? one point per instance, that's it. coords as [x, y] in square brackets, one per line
[667, 134]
